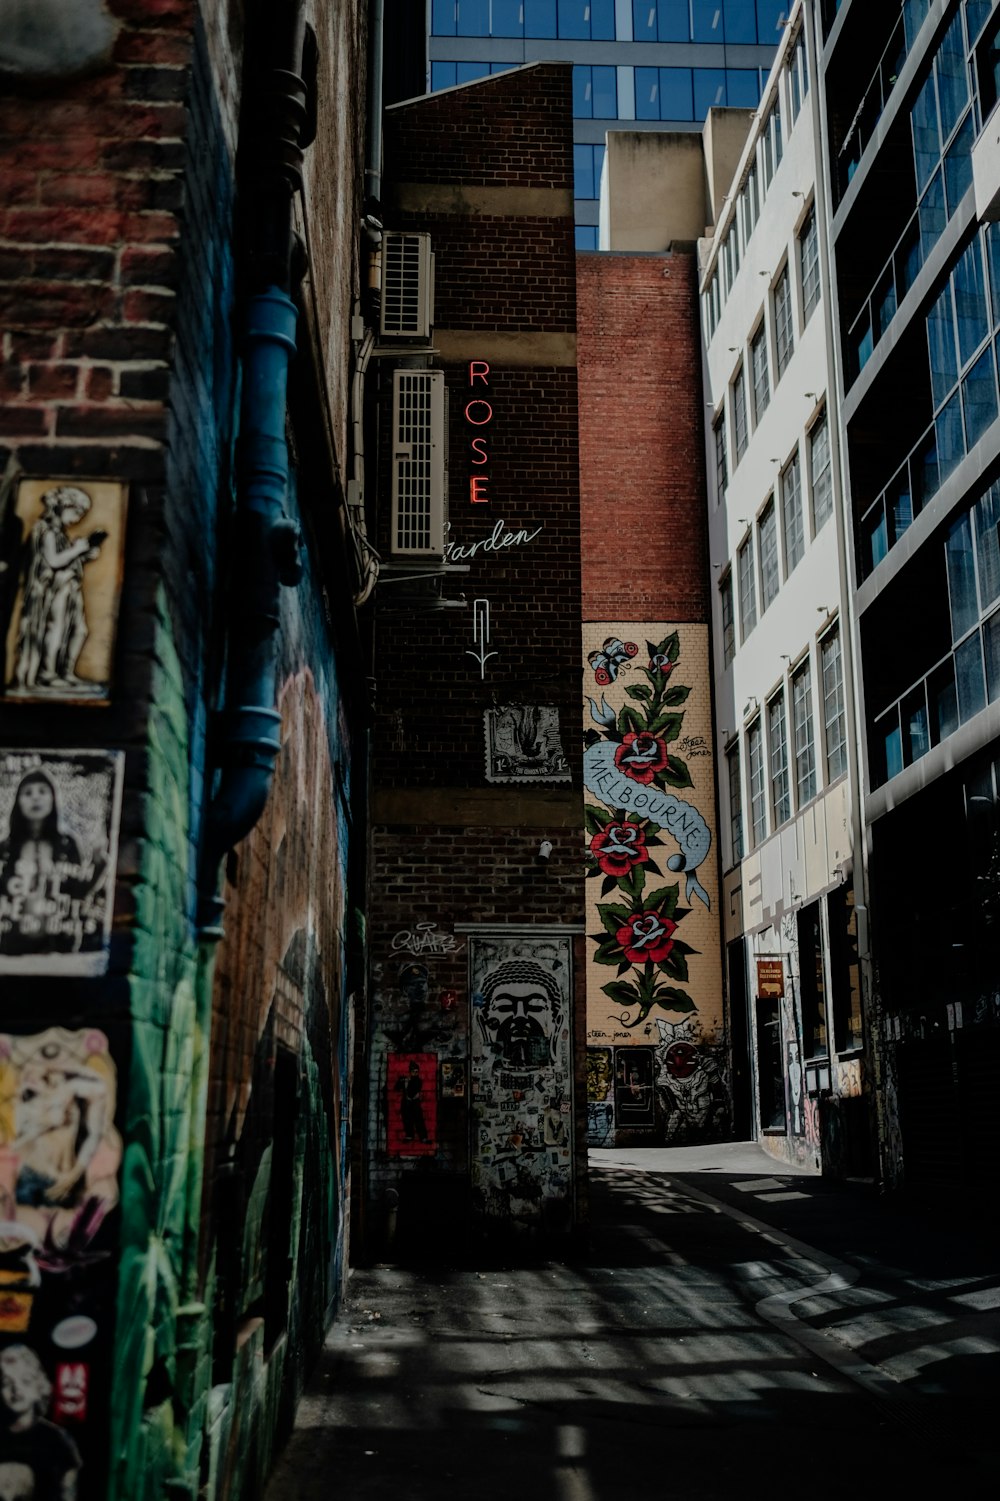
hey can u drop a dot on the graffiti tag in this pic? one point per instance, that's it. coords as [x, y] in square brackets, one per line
[424, 938]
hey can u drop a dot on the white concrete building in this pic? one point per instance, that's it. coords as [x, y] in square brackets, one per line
[789, 823]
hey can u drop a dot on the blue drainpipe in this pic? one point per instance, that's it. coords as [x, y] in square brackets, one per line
[268, 544]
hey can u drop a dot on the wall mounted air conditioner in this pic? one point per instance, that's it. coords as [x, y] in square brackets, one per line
[418, 463]
[407, 286]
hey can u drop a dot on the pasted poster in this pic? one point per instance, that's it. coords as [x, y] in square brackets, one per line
[60, 1160]
[523, 744]
[654, 968]
[521, 1062]
[61, 553]
[412, 1115]
[59, 814]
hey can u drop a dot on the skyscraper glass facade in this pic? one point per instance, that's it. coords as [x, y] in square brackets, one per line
[638, 64]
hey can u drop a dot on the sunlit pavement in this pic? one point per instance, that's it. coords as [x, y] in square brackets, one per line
[733, 1324]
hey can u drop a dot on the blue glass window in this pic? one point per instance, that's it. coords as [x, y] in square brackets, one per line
[443, 18]
[663, 94]
[932, 215]
[507, 18]
[770, 15]
[893, 750]
[958, 163]
[586, 237]
[595, 94]
[473, 17]
[739, 20]
[706, 17]
[941, 347]
[661, 21]
[442, 76]
[952, 76]
[469, 72]
[961, 578]
[969, 678]
[583, 20]
[742, 87]
[991, 645]
[540, 18]
[587, 163]
[926, 136]
[971, 307]
[988, 545]
[979, 397]
[709, 91]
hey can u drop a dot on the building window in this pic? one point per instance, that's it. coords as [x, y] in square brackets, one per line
[750, 199]
[845, 975]
[834, 718]
[777, 741]
[798, 77]
[735, 803]
[791, 513]
[739, 409]
[809, 264]
[664, 94]
[758, 373]
[587, 20]
[595, 93]
[728, 623]
[721, 470]
[812, 981]
[748, 591]
[758, 793]
[767, 546]
[770, 144]
[587, 164]
[784, 333]
[802, 733]
[820, 477]
[586, 237]
[661, 21]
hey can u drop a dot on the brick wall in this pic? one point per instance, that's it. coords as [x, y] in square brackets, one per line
[642, 463]
[487, 171]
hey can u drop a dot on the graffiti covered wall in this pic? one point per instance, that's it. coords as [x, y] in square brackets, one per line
[654, 977]
[522, 1081]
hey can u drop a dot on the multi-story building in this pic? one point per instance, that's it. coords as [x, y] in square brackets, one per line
[641, 64]
[913, 165]
[789, 788]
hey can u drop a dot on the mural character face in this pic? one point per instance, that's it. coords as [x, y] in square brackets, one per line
[680, 1060]
[35, 799]
[521, 1013]
[24, 1386]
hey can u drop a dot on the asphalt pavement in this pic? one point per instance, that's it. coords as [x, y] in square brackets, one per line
[732, 1323]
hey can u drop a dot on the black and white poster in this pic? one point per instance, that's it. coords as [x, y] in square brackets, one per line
[59, 812]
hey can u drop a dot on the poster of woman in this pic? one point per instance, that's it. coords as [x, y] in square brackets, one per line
[59, 813]
[61, 550]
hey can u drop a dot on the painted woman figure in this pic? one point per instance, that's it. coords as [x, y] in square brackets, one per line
[53, 625]
[40, 870]
[38, 1460]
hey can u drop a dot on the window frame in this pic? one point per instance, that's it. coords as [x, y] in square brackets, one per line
[756, 782]
[784, 321]
[768, 554]
[834, 747]
[820, 425]
[746, 585]
[809, 271]
[740, 416]
[760, 371]
[803, 739]
[779, 781]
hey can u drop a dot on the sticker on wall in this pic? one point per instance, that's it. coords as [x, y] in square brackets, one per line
[37, 1457]
[61, 554]
[59, 1151]
[600, 1124]
[453, 1079]
[59, 814]
[523, 744]
[412, 1116]
[521, 1080]
[598, 1074]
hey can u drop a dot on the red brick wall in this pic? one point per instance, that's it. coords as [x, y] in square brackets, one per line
[642, 468]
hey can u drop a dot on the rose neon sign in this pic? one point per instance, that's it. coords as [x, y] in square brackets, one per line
[478, 413]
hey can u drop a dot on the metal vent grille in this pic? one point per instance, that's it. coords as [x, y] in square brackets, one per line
[418, 462]
[406, 286]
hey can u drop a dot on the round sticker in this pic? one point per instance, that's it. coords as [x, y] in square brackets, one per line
[74, 1332]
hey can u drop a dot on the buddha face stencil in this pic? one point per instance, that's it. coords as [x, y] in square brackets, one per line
[521, 1014]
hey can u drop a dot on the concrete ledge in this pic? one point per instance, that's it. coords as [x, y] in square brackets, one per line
[469, 200]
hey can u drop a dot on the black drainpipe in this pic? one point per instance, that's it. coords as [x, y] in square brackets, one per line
[276, 127]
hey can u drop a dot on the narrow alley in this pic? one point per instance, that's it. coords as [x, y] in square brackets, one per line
[729, 1326]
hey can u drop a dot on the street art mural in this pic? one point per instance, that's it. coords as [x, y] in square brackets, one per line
[523, 744]
[59, 812]
[521, 986]
[60, 1159]
[652, 902]
[412, 1105]
[61, 551]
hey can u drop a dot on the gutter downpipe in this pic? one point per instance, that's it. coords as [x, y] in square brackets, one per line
[267, 540]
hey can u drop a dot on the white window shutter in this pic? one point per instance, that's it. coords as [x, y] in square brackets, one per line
[418, 468]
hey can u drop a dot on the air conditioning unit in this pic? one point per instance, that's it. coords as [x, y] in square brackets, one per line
[418, 463]
[407, 286]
